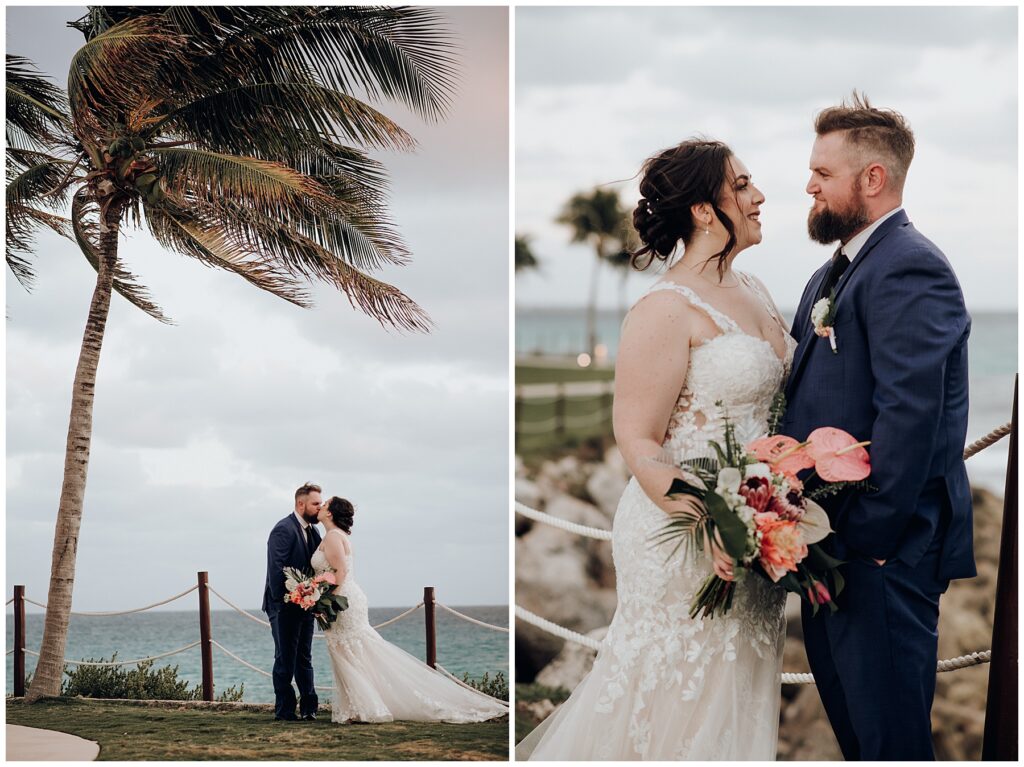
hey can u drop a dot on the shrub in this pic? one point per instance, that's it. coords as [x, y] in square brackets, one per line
[496, 688]
[139, 683]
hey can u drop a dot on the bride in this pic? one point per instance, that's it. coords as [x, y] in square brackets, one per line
[664, 686]
[375, 681]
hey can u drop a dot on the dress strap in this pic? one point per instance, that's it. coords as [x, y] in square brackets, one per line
[724, 323]
[769, 305]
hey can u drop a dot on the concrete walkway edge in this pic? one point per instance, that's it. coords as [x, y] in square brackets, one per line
[30, 744]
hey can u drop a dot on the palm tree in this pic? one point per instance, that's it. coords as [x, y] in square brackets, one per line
[234, 135]
[598, 218]
[525, 259]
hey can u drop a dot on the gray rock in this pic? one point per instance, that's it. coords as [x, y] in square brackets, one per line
[572, 663]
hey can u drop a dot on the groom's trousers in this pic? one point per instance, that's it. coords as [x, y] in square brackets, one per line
[874, 660]
[293, 658]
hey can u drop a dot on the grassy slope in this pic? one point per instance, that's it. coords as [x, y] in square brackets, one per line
[126, 732]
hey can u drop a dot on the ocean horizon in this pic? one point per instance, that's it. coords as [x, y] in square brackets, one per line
[462, 647]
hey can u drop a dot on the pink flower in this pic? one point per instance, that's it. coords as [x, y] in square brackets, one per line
[758, 493]
[329, 578]
[788, 506]
[782, 545]
[783, 453]
[818, 594]
[838, 457]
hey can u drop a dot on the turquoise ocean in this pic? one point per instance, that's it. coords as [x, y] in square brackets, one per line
[461, 646]
[992, 355]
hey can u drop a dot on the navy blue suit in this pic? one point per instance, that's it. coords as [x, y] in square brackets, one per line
[291, 625]
[899, 379]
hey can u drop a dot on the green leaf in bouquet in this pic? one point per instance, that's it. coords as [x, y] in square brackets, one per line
[817, 559]
[776, 413]
[834, 488]
[682, 487]
[723, 459]
[730, 527]
[838, 582]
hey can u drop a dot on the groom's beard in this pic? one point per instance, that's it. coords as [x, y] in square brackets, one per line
[831, 226]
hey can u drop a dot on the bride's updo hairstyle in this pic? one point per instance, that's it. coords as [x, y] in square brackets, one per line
[342, 512]
[673, 181]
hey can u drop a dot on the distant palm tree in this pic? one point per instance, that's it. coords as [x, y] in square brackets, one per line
[525, 259]
[598, 218]
[234, 135]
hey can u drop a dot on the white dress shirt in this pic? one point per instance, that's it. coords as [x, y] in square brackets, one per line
[857, 242]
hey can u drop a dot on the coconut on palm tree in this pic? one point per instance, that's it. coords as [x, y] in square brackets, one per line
[598, 219]
[238, 136]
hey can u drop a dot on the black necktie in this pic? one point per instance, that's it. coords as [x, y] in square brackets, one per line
[839, 264]
[309, 539]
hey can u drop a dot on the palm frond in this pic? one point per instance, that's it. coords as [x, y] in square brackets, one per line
[215, 247]
[263, 114]
[85, 225]
[35, 108]
[115, 70]
[353, 226]
[404, 54]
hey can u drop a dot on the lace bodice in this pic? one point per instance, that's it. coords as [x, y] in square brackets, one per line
[741, 371]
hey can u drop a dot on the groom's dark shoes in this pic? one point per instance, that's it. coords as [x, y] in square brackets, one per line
[899, 379]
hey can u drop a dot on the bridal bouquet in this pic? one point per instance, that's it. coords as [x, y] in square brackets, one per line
[314, 593]
[762, 514]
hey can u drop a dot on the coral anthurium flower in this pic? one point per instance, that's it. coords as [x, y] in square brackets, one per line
[784, 453]
[838, 457]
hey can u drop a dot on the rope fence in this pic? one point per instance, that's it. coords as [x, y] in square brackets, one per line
[119, 612]
[206, 640]
[952, 664]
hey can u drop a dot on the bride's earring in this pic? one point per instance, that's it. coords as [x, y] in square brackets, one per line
[707, 229]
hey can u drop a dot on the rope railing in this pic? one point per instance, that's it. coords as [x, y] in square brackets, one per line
[464, 617]
[564, 524]
[123, 662]
[247, 664]
[10, 601]
[119, 612]
[253, 618]
[952, 664]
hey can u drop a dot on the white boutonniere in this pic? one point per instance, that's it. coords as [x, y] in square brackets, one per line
[823, 314]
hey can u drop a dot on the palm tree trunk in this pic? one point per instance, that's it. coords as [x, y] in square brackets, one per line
[46, 680]
[592, 306]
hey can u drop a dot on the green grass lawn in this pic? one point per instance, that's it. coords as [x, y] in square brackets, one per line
[531, 693]
[131, 732]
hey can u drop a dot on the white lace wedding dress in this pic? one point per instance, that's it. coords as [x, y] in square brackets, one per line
[663, 686]
[375, 681]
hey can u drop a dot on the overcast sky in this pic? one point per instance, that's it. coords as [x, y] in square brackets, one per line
[203, 430]
[598, 90]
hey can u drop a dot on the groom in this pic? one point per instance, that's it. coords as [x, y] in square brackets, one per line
[291, 544]
[898, 377]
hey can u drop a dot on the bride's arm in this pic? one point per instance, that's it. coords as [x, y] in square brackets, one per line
[334, 550]
[651, 365]
[654, 353]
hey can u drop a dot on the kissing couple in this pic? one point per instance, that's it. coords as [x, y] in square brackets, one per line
[373, 680]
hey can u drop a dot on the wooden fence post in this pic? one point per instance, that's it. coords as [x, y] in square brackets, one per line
[428, 615]
[1000, 739]
[204, 635]
[19, 641]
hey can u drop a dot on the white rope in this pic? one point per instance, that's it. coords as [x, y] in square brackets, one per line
[397, 618]
[553, 628]
[989, 439]
[9, 601]
[536, 427]
[252, 617]
[10, 652]
[455, 679]
[235, 607]
[472, 620]
[590, 419]
[122, 662]
[572, 527]
[246, 663]
[962, 661]
[120, 612]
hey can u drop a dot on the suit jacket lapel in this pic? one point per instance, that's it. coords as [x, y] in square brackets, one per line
[805, 330]
[807, 335]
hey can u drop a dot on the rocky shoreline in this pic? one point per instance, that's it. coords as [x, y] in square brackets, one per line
[570, 580]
